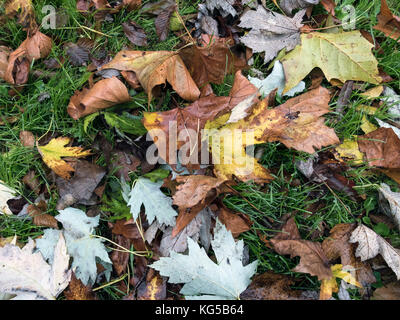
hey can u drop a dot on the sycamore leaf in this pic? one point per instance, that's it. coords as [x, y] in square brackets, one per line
[370, 244]
[348, 53]
[328, 286]
[205, 279]
[157, 204]
[55, 150]
[289, 5]
[154, 68]
[276, 80]
[78, 230]
[390, 203]
[6, 193]
[26, 275]
[297, 124]
[271, 32]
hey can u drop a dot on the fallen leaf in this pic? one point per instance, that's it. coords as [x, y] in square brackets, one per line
[388, 23]
[205, 279]
[18, 67]
[370, 244]
[118, 257]
[271, 32]
[78, 53]
[4, 54]
[36, 211]
[162, 21]
[78, 291]
[390, 203]
[31, 180]
[23, 10]
[27, 138]
[349, 150]
[224, 7]
[381, 148]
[349, 54]
[154, 288]
[289, 5]
[104, 94]
[135, 33]
[271, 286]
[38, 45]
[26, 275]
[367, 126]
[329, 6]
[79, 189]
[154, 68]
[390, 291]
[236, 223]
[211, 61]
[55, 150]
[373, 93]
[297, 124]
[6, 193]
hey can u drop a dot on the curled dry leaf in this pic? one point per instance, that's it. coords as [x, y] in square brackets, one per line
[162, 21]
[192, 119]
[381, 148]
[211, 61]
[297, 124]
[388, 23]
[154, 68]
[104, 94]
[370, 244]
[55, 150]
[4, 54]
[135, 33]
[27, 138]
[36, 211]
[390, 203]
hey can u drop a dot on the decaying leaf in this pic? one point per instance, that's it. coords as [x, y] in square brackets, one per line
[78, 229]
[271, 32]
[104, 94]
[55, 150]
[390, 203]
[4, 54]
[157, 205]
[36, 211]
[26, 275]
[154, 288]
[297, 124]
[162, 21]
[390, 291]
[154, 68]
[225, 7]
[289, 5]
[204, 279]
[211, 61]
[349, 55]
[236, 223]
[78, 291]
[6, 193]
[370, 244]
[24, 11]
[388, 23]
[381, 148]
[348, 150]
[135, 33]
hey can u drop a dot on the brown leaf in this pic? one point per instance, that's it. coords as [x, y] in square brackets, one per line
[120, 259]
[193, 195]
[78, 54]
[131, 4]
[312, 257]
[80, 188]
[236, 223]
[40, 218]
[193, 118]
[4, 54]
[104, 94]
[32, 181]
[271, 286]
[131, 78]
[390, 291]
[154, 68]
[27, 138]
[17, 71]
[124, 163]
[381, 148]
[78, 291]
[388, 23]
[211, 61]
[337, 246]
[135, 33]
[38, 46]
[329, 6]
[155, 287]
[24, 11]
[128, 229]
[162, 22]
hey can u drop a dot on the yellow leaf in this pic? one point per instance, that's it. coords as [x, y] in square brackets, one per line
[373, 93]
[55, 150]
[367, 109]
[367, 126]
[349, 150]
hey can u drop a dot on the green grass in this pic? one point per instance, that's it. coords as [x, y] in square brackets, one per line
[269, 203]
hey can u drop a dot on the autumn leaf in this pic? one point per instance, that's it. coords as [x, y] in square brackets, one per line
[53, 152]
[349, 55]
[289, 5]
[135, 33]
[330, 285]
[24, 11]
[154, 68]
[297, 124]
[388, 23]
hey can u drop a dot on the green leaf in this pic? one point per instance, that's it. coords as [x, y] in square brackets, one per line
[157, 204]
[158, 174]
[382, 229]
[343, 56]
[125, 123]
[78, 229]
[89, 119]
[205, 279]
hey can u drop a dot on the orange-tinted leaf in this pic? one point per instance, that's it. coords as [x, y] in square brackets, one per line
[388, 23]
[78, 291]
[236, 223]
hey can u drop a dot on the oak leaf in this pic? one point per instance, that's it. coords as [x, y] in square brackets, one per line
[349, 55]
[55, 150]
[154, 68]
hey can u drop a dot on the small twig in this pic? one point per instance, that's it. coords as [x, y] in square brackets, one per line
[183, 23]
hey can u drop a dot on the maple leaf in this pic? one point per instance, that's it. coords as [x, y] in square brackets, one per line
[330, 285]
[205, 279]
[157, 204]
[349, 55]
[296, 123]
[271, 32]
[154, 68]
[78, 229]
[55, 150]
[26, 275]
[370, 244]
